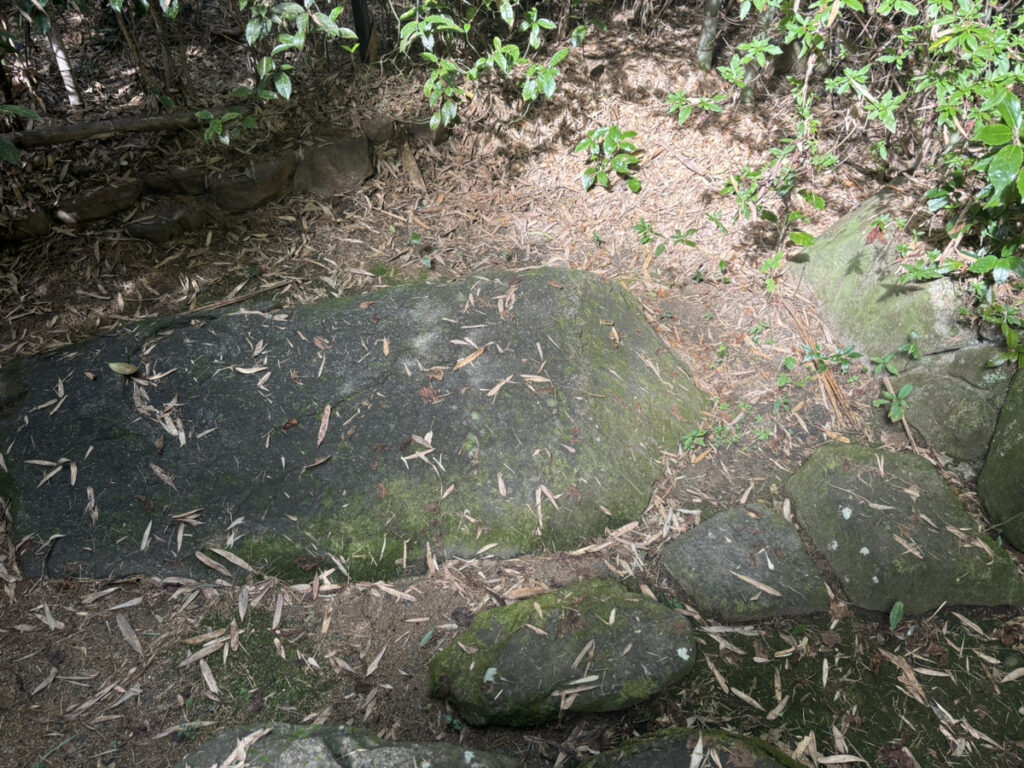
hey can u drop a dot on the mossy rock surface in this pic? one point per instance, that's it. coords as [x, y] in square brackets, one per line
[716, 563]
[1001, 485]
[593, 647]
[956, 400]
[276, 745]
[853, 271]
[892, 530]
[525, 411]
[681, 747]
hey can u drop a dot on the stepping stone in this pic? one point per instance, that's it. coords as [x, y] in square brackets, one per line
[892, 530]
[508, 413]
[101, 202]
[746, 564]
[333, 167]
[263, 183]
[593, 647]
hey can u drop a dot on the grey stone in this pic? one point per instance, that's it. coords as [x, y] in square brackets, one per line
[330, 746]
[509, 409]
[31, 225]
[706, 563]
[892, 530]
[593, 647]
[333, 166]
[1001, 484]
[681, 747]
[855, 282]
[955, 401]
[101, 202]
[180, 181]
[263, 183]
[379, 130]
[159, 225]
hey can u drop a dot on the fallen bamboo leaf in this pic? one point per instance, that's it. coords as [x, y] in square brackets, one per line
[325, 422]
[778, 708]
[125, 369]
[1017, 674]
[468, 359]
[248, 371]
[757, 584]
[208, 677]
[316, 463]
[145, 537]
[211, 563]
[166, 478]
[46, 682]
[376, 661]
[203, 652]
[841, 759]
[234, 559]
[129, 634]
[747, 698]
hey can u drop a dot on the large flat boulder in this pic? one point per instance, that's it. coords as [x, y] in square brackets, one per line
[892, 530]
[509, 413]
[592, 647]
[1001, 484]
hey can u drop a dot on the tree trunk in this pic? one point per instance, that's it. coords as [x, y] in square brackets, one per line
[132, 42]
[708, 33]
[104, 129]
[764, 26]
[165, 51]
[365, 31]
[56, 42]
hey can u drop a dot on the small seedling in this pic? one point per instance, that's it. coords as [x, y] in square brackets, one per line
[885, 365]
[695, 439]
[611, 151]
[896, 403]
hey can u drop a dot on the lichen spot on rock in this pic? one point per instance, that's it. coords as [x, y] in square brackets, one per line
[684, 653]
[846, 512]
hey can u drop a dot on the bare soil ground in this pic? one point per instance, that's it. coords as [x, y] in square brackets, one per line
[137, 672]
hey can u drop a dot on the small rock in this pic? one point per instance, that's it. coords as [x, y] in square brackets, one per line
[707, 563]
[31, 225]
[101, 202]
[252, 188]
[379, 130]
[422, 132]
[955, 401]
[593, 647]
[1001, 484]
[180, 181]
[892, 530]
[161, 224]
[674, 747]
[333, 166]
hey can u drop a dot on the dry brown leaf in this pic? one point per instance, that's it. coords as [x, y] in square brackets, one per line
[46, 682]
[325, 422]
[129, 634]
[208, 677]
[757, 584]
[209, 562]
[376, 662]
[234, 559]
[470, 358]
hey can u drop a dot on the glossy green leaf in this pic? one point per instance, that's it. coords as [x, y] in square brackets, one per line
[1005, 167]
[994, 135]
[896, 615]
